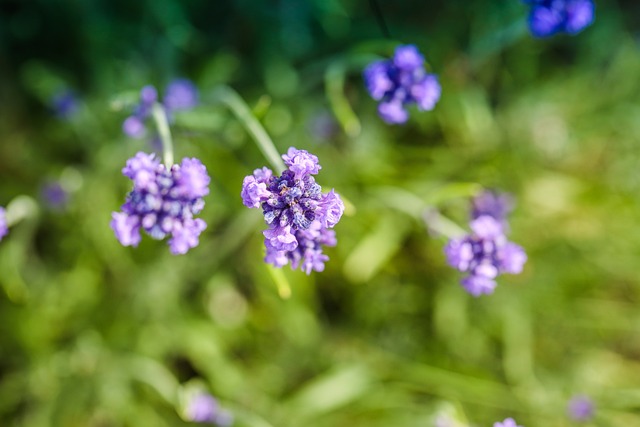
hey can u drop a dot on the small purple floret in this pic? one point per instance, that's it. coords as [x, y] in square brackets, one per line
[298, 214]
[509, 422]
[4, 227]
[580, 408]
[163, 202]
[400, 82]
[485, 253]
[549, 17]
[65, 104]
[204, 408]
[181, 94]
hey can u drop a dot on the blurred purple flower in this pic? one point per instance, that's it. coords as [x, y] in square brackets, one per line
[65, 104]
[549, 17]
[298, 214]
[204, 408]
[399, 82]
[4, 227]
[180, 94]
[486, 253]
[580, 408]
[509, 422]
[163, 202]
[54, 195]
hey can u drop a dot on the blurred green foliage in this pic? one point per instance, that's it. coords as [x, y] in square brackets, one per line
[95, 334]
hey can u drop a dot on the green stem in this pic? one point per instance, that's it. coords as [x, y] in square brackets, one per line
[160, 117]
[236, 104]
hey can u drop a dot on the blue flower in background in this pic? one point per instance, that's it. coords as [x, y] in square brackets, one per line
[163, 201]
[65, 104]
[580, 408]
[298, 214]
[4, 227]
[509, 422]
[549, 17]
[485, 252]
[180, 95]
[204, 408]
[401, 81]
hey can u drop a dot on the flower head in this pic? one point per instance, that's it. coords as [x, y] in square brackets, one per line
[492, 203]
[4, 227]
[549, 17]
[65, 104]
[54, 195]
[509, 422]
[298, 214]
[580, 408]
[399, 82]
[180, 94]
[204, 408]
[163, 202]
[485, 253]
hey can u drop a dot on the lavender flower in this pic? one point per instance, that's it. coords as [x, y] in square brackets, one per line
[298, 214]
[399, 82]
[486, 252]
[55, 196]
[65, 104]
[4, 227]
[549, 17]
[492, 203]
[580, 408]
[180, 94]
[204, 408]
[509, 422]
[163, 202]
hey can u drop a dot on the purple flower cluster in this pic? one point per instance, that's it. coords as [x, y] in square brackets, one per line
[580, 408]
[204, 408]
[4, 227]
[65, 104]
[486, 252]
[163, 201]
[549, 17]
[401, 81]
[180, 94]
[509, 422]
[298, 214]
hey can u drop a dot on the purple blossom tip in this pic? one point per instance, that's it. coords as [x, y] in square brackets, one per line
[509, 422]
[301, 162]
[549, 17]
[580, 408]
[408, 58]
[133, 127]
[298, 214]
[126, 228]
[163, 201]
[400, 82]
[181, 94]
[54, 195]
[148, 95]
[204, 408]
[485, 253]
[65, 104]
[4, 227]
[193, 178]
[492, 203]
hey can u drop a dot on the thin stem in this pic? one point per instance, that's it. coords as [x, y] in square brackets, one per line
[241, 110]
[160, 117]
[284, 289]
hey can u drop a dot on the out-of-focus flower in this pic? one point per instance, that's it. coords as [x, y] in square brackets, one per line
[486, 252]
[549, 17]
[163, 201]
[204, 408]
[400, 82]
[65, 104]
[298, 214]
[180, 94]
[580, 408]
[54, 195]
[509, 422]
[4, 227]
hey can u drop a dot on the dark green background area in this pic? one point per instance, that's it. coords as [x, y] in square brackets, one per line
[96, 334]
